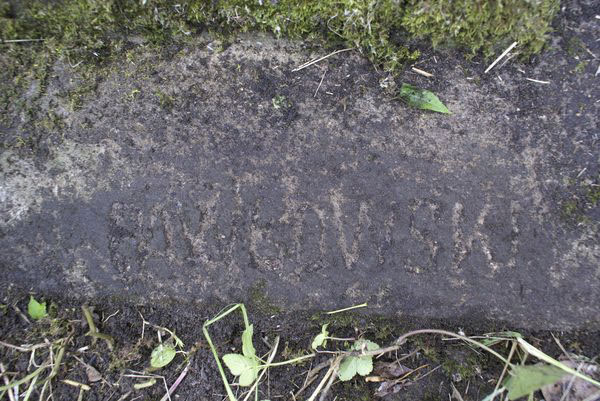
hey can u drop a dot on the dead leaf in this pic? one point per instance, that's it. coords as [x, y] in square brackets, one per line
[390, 370]
[579, 390]
[392, 374]
[390, 387]
[92, 374]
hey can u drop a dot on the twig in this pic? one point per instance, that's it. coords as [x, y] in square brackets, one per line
[512, 351]
[6, 382]
[334, 361]
[331, 380]
[311, 376]
[21, 40]
[424, 73]
[25, 349]
[311, 62]
[323, 77]
[176, 383]
[347, 309]
[500, 57]
[21, 314]
[537, 81]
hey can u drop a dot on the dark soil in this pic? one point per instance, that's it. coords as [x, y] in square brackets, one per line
[474, 374]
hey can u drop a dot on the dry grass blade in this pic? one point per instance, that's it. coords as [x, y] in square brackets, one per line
[500, 57]
[176, 383]
[334, 363]
[315, 61]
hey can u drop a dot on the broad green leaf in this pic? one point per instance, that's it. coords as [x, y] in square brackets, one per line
[347, 368]
[363, 365]
[162, 355]
[422, 99]
[36, 310]
[529, 378]
[367, 345]
[546, 358]
[247, 346]
[321, 339]
[245, 368]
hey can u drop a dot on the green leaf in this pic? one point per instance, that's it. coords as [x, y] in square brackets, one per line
[529, 378]
[162, 355]
[247, 346]
[363, 365]
[422, 99]
[321, 339]
[36, 310]
[245, 368]
[367, 345]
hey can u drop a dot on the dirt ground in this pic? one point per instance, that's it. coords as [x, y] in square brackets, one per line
[173, 183]
[442, 364]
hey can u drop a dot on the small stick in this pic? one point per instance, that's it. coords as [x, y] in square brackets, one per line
[309, 63]
[22, 349]
[322, 78]
[500, 57]
[331, 380]
[424, 73]
[537, 81]
[512, 351]
[6, 382]
[16, 308]
[347, 309]
[73, 383]
[176, 383]
[22, 40]
[334, 363]
[311, 376]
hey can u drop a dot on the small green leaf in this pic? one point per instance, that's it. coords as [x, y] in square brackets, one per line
[367, 345]
[247, 346]
[321, 339]
[422, 99]
[363, 365]
[36, 310]
[529, 378]
[162, 355]
[347, 369]
[245, 368]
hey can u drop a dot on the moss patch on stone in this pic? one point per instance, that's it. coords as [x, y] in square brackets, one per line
[378, 28]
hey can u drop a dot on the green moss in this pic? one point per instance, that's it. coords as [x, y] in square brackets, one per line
[166, 101]
[593, 195]
[583, 197]
[580, 67]
[488, 26]
[259, 300]
[464, 369]
[92, 30]
[575, 46]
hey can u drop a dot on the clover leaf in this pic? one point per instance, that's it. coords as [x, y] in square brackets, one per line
[363, 365]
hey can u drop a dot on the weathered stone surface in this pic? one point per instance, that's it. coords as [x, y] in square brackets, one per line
[202, 174]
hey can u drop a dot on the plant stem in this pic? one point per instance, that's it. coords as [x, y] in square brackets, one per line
[300, 358]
